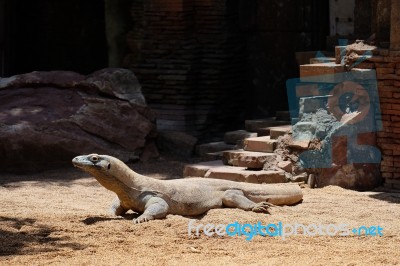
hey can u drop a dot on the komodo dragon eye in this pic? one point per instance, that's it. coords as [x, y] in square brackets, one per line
[94, 158]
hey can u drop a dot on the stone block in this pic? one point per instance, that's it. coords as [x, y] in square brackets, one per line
[319, 60]
[286, 166]
[200, 169]
[276, 132]
[260, 144]
[320, 72]
[234, 137]
[251, 160]
[240, 174]
[340, 52]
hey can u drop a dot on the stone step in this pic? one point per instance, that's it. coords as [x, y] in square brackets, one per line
[255, 125]
[215, 169]
[323, 72]
[204, 149]
[276, 132]
[240, 174]
[260, 144]
[237, 137]
[248, 159]
[266, 131]
[200, 169]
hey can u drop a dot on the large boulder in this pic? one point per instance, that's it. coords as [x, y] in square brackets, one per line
[47, 118]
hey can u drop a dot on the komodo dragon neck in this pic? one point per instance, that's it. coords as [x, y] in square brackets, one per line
[114, 175]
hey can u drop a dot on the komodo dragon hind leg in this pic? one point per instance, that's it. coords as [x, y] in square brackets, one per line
[236, 199]
[156, 208]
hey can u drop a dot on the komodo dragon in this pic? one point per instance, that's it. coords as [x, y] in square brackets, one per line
[191, 196]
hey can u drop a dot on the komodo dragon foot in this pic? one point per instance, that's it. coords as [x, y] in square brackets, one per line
[262, 207]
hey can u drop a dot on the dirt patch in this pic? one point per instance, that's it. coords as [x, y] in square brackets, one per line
[61, 217]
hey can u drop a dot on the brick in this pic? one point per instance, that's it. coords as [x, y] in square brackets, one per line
[384, 52]
[376, 59]
[385, 94]
[276, 132]
[388, 76]
[363, 74]
[397, 71]
[397, 65]
[387, 175]
[300, 144]
[396, 83]
[365, 65]
[387, 152]
[392, 59]
[307, 90]
[396, 95]
[260, 144]
[385, 65]
[384, 70]
[320, 72]
[394, 53]
[395, 118]
[233, 137]
[389, 88]
[286, 166]
[340, 52]
[386, 163]
[240, 174]
[200, 169]
[252, 160]
[390, 112]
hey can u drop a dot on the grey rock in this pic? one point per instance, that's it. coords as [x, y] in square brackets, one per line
[47, 118]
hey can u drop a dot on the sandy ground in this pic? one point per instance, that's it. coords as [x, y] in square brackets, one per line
[61, 217]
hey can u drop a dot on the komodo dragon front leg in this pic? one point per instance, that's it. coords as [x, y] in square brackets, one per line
[155, 208]
[237, 199]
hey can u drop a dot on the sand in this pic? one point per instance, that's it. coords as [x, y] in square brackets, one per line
[61, 217]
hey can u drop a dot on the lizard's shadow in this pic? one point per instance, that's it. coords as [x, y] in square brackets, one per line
[96, 219]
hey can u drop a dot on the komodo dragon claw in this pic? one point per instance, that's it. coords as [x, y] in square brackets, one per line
[262, 207]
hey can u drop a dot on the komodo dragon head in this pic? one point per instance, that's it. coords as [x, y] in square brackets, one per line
[109, 171]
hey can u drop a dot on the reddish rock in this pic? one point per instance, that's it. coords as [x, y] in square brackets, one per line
[47, 118]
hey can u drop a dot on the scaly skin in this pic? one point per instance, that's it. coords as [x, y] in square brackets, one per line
[191, 196]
